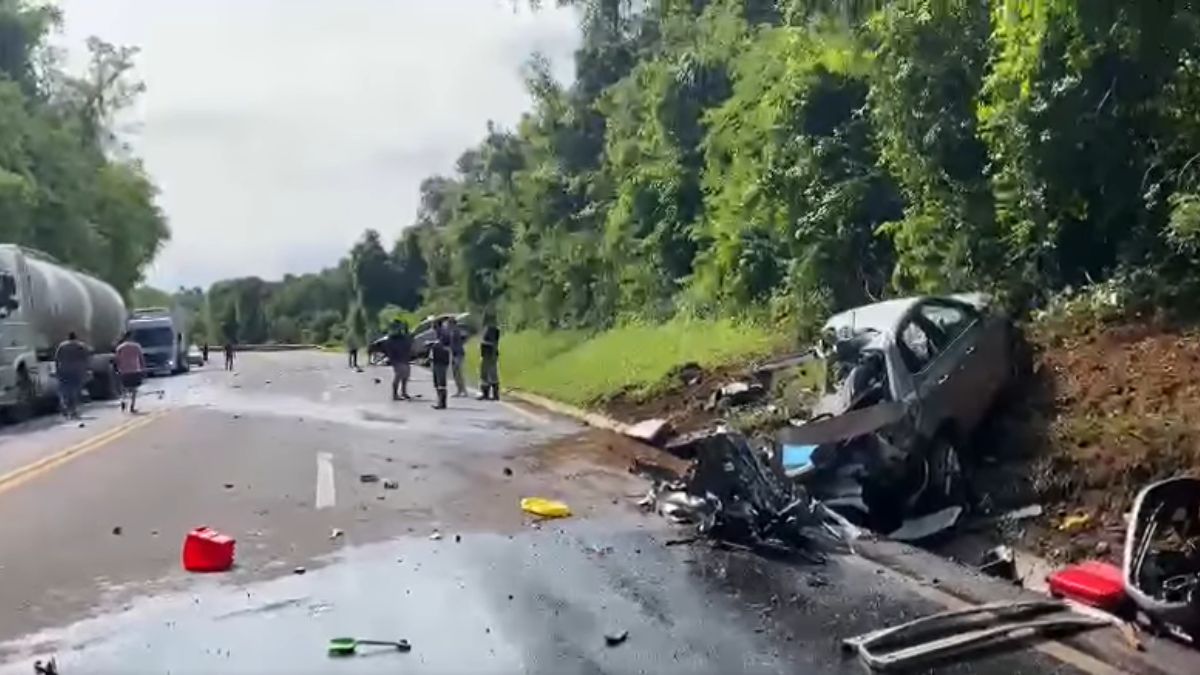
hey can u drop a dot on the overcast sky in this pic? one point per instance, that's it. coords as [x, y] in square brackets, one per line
[278, 130]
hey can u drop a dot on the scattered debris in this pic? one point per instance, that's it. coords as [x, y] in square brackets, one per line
[1094, 583]
[368, 478]
[48, 668]
[684, 446]
[924, 527]
[650, 431]
[391, 484]
[508, 471]
[1023, 513]
[228, 486]
[1161, 564]
[347, 646]
[1000, 562]
[299, 570]
[614, 638]
[546, 508]
[206, 550]
[458, 538]
[436, 536]
[690, 374]
[739, 393]
[335, 533]
[82, 425]
[117, 530]
[680, 542]
[953, 633]
[378, 381]
[1075, 523]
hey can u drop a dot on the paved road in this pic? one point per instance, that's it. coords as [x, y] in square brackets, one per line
[273, 455]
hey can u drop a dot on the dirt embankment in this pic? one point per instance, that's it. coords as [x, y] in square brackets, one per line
[1110, 410]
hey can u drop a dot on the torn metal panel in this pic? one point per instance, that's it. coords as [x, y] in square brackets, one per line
[844, 426]
[1161, 562]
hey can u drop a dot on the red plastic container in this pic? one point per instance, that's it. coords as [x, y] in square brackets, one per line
[1094, 583]
[206, 550]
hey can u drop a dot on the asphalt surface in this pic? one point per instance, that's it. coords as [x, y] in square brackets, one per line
[274, 455]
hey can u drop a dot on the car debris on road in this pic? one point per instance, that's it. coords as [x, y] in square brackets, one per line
[1161, 562]
[953, 633]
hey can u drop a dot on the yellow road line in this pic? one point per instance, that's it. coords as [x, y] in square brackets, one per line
[36, 468]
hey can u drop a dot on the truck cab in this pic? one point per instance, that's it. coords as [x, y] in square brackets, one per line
[162, 338]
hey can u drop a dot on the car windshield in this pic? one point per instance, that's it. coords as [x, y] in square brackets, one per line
[158, 336]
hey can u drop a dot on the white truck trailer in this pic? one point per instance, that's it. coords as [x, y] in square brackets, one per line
[41, 302]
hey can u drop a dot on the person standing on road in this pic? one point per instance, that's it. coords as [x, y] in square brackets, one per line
[131, 365]
[229, 352]
[457, 353]
[204, 352]
[489, 359]
[72, 360]
[352, 350]
[439, 362]
[398, 349]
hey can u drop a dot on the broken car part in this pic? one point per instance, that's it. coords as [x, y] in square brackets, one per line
[347, 646]
[1161, 562]
[956, 632]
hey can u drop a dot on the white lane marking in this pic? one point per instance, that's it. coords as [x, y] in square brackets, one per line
[521, 411]
[326, 493]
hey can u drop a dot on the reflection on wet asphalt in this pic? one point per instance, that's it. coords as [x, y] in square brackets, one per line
[496, 593]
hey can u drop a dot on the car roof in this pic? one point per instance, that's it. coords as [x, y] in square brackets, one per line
[882, 317]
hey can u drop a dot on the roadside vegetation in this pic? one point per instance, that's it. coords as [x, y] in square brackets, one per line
[634, 360]
[68, 185]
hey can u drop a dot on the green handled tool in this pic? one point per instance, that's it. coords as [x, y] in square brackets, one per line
[346, 646]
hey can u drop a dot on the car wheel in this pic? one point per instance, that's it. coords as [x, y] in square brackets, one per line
[23, 409]
[947, 478]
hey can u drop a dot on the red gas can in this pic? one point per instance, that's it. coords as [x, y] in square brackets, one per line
[206, 550]
[1094, 583]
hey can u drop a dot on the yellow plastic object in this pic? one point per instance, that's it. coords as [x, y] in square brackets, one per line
[546, 508]
[1075, 523]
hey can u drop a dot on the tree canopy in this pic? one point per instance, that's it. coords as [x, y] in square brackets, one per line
[792, 157]
[66, 187]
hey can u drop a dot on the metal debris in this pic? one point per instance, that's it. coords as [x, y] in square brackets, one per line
[117, 530]
[1161, 562]
[926, 526]
[650, 431]
[299, 570]
[391, 485]
[368, 478]
[950, 634]
[1000, 562]
[614, 638]
[335, 533]
[48, 668]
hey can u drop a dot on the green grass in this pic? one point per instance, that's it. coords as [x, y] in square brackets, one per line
[582, 369]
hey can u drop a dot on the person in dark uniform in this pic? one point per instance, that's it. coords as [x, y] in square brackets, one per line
[229, 354]
[439, 362]
[489, 359]
[457, 355]
[398, 349]
[204, 351]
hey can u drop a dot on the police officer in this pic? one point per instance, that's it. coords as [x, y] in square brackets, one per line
[489, 359]
[439, 360]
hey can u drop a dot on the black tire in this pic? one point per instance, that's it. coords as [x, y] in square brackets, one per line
[947, 482]
[26, 403]
[105, 385]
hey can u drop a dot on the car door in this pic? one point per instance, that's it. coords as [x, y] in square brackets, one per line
[958, 331]
[919, 354]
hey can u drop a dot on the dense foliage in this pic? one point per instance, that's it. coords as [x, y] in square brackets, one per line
[67, 186]
[716, 157]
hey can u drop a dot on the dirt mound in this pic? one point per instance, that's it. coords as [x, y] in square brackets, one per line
[683, 403]
[1112, 409]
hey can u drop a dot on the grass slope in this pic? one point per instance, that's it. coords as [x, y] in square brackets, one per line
[583, 369]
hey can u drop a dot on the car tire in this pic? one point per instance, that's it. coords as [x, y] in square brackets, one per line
[947, 484]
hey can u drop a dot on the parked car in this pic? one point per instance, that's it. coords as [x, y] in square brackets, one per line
[907, 383]
[422, 335]
[194, 356]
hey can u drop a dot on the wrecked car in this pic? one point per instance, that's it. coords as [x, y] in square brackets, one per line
[907, 382]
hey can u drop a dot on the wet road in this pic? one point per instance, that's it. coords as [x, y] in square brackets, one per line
[273, 455]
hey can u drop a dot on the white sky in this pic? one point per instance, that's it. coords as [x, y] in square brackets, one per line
[278, 130]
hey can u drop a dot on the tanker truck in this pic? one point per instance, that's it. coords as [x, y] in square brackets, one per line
[41, 302]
